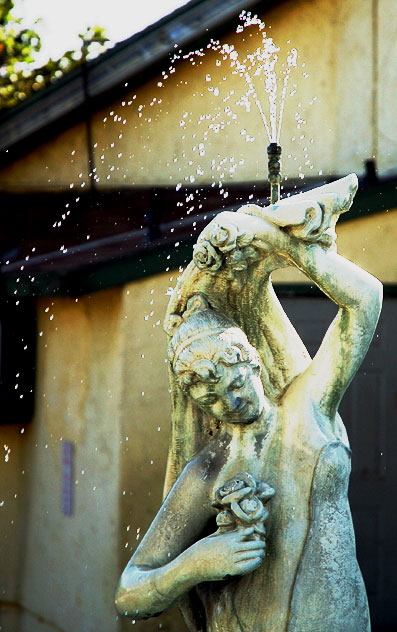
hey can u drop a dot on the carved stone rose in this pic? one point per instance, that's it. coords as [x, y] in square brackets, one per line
[242, 503]
[206, 257]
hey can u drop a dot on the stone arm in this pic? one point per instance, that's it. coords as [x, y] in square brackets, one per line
[171, 558]
[357, 293]
[300, 231]
[359, 297]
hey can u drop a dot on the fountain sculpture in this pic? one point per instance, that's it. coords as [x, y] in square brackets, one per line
[255, 532]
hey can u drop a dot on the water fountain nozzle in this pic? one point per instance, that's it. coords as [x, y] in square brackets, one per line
[274, 170]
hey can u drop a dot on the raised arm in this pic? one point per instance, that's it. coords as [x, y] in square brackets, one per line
[358, 294]
[359, 297]
[301, 231]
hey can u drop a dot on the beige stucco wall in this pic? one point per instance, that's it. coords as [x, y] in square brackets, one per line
[102, 380]
[54, 165]
[345, 82]
[144, 421]
[69, 568]
[370, 242]
[387, 131]
[102, 384]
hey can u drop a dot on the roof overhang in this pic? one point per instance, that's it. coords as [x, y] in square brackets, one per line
[128, 64]
[115, 259]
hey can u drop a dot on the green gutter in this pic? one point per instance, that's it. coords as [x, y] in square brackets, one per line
[92, 278]
[150, 261]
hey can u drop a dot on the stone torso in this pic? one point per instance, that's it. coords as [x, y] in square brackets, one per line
[309, 577]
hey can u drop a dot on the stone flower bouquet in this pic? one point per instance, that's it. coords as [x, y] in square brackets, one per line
[241, 502]
[224, 244]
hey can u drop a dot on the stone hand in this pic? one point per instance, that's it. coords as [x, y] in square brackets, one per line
[246, 227]
[310, 216]
[277, 229]
[219, 556]
[311, 221]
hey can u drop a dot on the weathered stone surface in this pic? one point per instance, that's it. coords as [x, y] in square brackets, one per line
[255, 427]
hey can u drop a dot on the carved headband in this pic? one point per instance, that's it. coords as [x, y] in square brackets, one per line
[202, 334]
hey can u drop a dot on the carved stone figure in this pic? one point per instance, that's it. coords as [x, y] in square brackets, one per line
[256, 434]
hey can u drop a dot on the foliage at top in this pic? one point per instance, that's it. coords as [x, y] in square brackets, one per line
[21, 74]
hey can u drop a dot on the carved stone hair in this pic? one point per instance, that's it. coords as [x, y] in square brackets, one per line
[202, 339]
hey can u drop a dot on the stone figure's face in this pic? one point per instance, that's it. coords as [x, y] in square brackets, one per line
[237, 397]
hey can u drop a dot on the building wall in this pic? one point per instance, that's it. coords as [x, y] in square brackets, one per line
[69, 573]
[54, 165]
[102, 385]
[174, 128]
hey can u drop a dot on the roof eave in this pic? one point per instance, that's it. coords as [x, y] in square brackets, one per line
[129, 256]
[131, 61]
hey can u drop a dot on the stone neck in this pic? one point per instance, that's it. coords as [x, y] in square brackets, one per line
[241, 434]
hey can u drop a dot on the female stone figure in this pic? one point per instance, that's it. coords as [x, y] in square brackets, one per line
[250, 405]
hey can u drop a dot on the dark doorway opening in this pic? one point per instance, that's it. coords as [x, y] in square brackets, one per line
[368, 410]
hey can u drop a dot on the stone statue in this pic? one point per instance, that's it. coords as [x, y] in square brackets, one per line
[255, 532]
